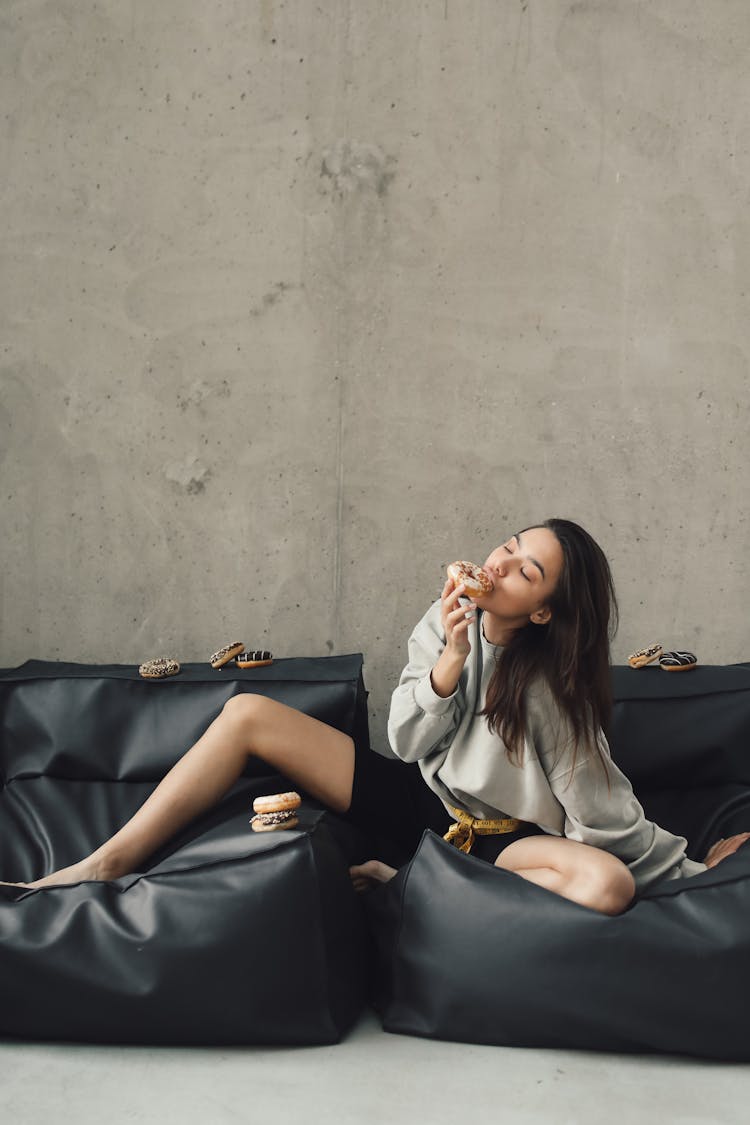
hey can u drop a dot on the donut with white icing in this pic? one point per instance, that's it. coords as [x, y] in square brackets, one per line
[477, 582]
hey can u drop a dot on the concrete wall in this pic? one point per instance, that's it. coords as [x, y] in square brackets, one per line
[301, 301]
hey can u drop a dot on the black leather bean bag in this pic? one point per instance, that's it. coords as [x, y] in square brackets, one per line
[226, 936]
[469, 952]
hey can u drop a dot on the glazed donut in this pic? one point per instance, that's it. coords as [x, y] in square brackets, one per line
[476, 581]
[275, 812]
[644, 656]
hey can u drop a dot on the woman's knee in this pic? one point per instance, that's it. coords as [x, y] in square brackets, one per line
[243, 709]
[585, 874]
[613, 886]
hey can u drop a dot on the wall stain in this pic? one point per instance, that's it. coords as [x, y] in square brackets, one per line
[202, 390]
[191, 475]
[270, 298]
[353, 166]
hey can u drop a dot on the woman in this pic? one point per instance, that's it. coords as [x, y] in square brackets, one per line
[502, 704]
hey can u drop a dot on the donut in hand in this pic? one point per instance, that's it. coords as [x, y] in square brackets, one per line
[476, 581]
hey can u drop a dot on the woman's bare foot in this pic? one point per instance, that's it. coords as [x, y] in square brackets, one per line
[86, 870]
[366, 876]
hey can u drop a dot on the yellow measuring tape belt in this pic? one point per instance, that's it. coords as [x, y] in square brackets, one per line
[463, 833]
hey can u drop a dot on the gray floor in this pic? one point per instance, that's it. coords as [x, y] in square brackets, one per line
[372, 1077]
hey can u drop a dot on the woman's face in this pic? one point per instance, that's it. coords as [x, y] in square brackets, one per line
[524, 570]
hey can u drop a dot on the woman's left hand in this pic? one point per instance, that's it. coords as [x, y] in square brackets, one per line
[722, 848]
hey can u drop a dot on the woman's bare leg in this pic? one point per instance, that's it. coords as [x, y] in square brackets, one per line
[586, 875]
[313, 755]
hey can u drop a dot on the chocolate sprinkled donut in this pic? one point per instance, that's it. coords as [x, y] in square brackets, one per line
[276, 811]
[224, 655]
[158, 668]
[644, 656]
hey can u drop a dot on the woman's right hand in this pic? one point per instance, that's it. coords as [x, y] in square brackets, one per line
[456, 620]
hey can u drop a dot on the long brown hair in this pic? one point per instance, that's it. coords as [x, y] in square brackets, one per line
[571, 652]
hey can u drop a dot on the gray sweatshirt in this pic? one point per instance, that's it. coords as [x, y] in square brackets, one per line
[466, 765]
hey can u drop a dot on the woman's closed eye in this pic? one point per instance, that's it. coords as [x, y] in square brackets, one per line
[523, 572]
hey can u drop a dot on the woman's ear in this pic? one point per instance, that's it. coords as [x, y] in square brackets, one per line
[541, 616]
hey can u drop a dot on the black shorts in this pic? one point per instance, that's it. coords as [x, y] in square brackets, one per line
[392, 803]
[490, 847]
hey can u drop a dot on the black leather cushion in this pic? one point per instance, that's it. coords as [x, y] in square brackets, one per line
[225, 936]
[469, 952]
[683, 739]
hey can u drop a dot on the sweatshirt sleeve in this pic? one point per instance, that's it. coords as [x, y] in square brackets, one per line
[420, 721]
[610, 816]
